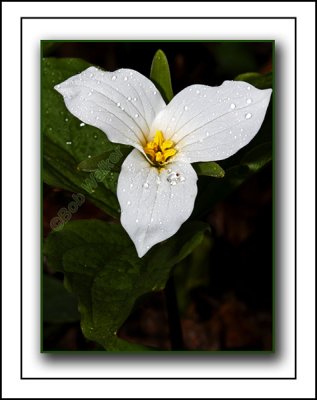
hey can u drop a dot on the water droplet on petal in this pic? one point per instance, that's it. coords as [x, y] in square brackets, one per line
[136, 115]
[128, 202]
[248, 116]
[146, 185]
[174, 177]
[197, 91]
[118, 104]
[125, 78]
[114, 77]
[154, 92]
[136, 221]
[185, 108]
[232, 106]
[249, 101]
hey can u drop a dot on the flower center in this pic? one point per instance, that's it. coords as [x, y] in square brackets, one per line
[160, 150]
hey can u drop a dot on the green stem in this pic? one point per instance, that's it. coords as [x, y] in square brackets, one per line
[175, 328]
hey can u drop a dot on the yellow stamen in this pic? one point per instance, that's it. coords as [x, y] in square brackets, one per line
[160, 150]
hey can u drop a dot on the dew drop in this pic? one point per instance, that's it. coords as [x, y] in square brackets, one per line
[174, 177]
[66, 119]
[155, 92]
[249, 87]
[197, 91]
[118, 104]
[128, 202]
[136, 221]
[125, 78]
[89, 156]
[207, 134]
[134, 99]
[82, 124]
[136, 115]
[248, 116]
[114, 78]
[129, 98]
[68, 143]
[249, 101]
[131, 185]
[146, 185]
[232, 106]
[185, 108]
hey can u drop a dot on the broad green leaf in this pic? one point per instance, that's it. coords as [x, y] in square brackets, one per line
[103, 270]
[103, 162]
[66, 141]
[209, 169]
[160, 75]
[256, 79]
[59, 306]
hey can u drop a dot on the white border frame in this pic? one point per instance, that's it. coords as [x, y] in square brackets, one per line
[34, 363]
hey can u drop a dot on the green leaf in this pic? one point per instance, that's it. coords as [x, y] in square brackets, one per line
[209, 169]
[103, 162]
[103, 270]
[66, 142]
[258, 157]
[160, 75]
[256, 79]
[59, 306]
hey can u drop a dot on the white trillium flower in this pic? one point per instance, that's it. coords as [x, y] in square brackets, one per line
[157, 184]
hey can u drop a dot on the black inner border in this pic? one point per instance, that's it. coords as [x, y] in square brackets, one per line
[21, 188]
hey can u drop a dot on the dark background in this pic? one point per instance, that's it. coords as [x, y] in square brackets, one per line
[225, 287]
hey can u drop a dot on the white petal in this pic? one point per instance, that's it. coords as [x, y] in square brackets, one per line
[212, 123]
[123, 104]
[154, 204]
